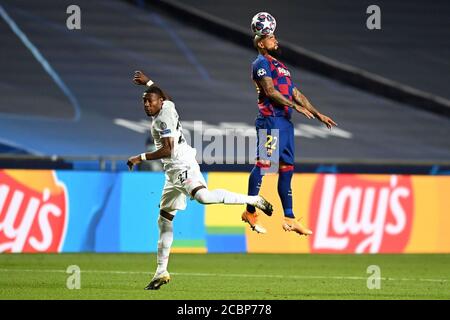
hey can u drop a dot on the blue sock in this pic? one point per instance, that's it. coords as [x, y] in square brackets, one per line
[285, 191]
[254, 184]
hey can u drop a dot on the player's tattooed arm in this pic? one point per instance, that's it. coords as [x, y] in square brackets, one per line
[304, 102]
[276, 96]
[164, 152]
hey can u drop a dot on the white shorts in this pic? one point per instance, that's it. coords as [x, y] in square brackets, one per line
[180, 181]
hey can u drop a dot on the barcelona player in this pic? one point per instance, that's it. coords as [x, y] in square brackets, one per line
[277, 98]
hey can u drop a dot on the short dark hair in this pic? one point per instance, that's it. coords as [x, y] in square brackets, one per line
[257, 39]
[156, 90]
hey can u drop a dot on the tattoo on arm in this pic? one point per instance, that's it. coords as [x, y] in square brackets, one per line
[303, 101]
[267, 84]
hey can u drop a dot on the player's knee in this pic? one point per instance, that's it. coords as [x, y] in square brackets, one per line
[284, 167]
[263, 163]
[167, 214]
[203, 196]
[200, 194]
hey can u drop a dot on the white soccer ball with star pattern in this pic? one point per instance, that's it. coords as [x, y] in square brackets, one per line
[263, 24]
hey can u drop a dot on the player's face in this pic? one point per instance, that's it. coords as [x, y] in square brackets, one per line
[152, 103]
[270, 43]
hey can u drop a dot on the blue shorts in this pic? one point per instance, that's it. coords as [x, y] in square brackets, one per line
[275, 145]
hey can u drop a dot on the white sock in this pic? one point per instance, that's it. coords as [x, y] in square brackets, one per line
[206, 196]
[164, 243]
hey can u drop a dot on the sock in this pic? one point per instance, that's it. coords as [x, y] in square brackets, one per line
[164, 243]
[285, 191]
[206, 196]
[254, 184]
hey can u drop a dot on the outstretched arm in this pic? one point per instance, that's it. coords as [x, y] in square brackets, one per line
[304, 102]
[276, 96]
[141, 79]
[164, 152]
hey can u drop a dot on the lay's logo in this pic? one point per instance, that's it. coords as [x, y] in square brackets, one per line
[361, 214]
[33, 211]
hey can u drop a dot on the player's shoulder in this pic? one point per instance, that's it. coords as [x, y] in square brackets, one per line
[260, 59]
[168, 108]
[168, 104]
[168, 111]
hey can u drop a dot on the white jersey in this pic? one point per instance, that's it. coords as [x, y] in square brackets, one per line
[166, 124]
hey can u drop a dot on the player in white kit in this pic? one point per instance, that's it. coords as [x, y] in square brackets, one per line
[183, 176]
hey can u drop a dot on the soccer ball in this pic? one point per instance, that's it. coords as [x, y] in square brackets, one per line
[263, 23]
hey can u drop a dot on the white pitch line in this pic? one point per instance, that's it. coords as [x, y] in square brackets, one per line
[227, 275]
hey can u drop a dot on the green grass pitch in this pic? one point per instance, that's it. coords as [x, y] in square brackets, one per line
[226, 276]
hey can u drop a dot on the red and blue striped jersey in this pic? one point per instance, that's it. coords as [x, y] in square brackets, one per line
[267, 66]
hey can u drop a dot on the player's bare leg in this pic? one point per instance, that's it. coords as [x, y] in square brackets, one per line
[165, 226]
